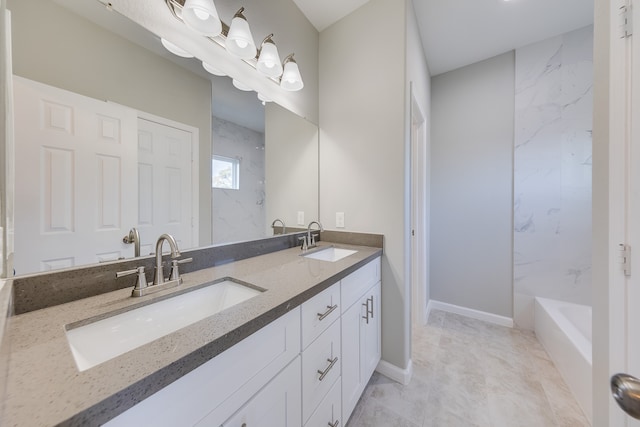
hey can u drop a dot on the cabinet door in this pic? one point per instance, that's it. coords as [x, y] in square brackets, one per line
[276, 405]
[352, 339]
[371, 351]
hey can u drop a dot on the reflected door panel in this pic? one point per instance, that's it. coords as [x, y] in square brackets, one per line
[75, 178]
[165, 186]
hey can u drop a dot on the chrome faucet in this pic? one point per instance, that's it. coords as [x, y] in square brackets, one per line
[311, 241]
[159, 283]
[284, 227]
[158, 278]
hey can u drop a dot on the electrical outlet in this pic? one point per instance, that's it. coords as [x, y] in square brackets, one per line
[339, 219]
[300, 217]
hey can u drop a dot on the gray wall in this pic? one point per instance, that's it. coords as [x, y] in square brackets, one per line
[362, 146]
[59, 48]
[471, 186]
[291, 168]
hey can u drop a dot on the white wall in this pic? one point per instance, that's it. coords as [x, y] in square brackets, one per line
[239, 215]
[59, 48]
[552, 172]
[363, 146]
[471, 185]
[418, 78]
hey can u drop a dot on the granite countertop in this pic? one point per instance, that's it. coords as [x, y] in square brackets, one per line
[45, 388]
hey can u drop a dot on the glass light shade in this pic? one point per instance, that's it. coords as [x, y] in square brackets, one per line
[175, 49]
[239, 40]
[239, 85]
[212, 70]
[291, 78]
[202, 16]
[263, 98]
[269, 60]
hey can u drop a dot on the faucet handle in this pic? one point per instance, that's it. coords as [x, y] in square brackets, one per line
[141, 282]
[304, 245]
[175, 272]
[313, 238]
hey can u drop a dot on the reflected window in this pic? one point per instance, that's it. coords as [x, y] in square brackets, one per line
[225, 173]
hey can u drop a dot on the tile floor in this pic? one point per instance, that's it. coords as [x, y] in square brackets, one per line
[469, 373]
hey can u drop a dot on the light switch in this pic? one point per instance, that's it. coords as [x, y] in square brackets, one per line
[300, 217]
[339, 219]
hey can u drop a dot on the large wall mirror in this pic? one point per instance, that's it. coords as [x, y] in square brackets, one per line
[112, 132]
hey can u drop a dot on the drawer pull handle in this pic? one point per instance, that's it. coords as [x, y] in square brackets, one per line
[330, 309]
[371, 311]
[326, 371]
[366, 304]
[336, 423]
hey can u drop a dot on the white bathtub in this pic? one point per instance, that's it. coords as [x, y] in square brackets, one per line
[564, 329]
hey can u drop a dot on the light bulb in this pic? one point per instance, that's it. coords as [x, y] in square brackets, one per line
[242, 43]
[201, 14]
[269, 64]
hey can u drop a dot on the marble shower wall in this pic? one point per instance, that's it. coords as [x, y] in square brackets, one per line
[239, 215]
[552, 172]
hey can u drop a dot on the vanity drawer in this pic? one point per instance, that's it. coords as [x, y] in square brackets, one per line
[319, 312]
[329, 411]
[356, 284]
[321, 367]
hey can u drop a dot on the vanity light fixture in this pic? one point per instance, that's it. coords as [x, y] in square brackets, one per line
[239, 40]
[212, 70]
[202, 17]
[263, 99]
[269, 59]
[291, 79]
[175, 49]
[239, 85]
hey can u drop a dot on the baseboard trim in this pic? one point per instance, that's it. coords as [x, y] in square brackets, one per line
[403, 376]
[470, 312]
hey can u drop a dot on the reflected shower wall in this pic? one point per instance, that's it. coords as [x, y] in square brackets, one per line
[239, 214]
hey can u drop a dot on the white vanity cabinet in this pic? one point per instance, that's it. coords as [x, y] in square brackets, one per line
[361, 344]
[307, 368]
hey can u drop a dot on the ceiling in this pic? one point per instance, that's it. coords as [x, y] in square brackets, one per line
[456, 33]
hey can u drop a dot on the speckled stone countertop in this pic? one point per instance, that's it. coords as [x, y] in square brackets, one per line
[45, 387]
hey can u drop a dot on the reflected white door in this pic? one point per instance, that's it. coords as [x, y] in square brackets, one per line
[166, 188]
[76, 180]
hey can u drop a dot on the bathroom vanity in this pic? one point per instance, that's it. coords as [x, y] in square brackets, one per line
[298, 352]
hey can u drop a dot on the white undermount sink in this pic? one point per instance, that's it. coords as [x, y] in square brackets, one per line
[99, 341]
[331, 254]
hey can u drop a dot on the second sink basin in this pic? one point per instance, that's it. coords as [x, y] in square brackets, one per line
[99, 341]
[330, 254]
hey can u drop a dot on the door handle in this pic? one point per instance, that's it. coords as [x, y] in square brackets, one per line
[626, 392]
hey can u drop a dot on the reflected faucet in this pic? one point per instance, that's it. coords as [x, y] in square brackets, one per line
[158, 278]
[133, 237]
[284, 227]
[311, 241]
